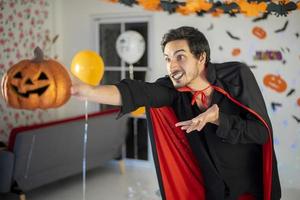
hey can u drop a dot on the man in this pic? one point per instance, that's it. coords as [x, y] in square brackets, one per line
[210, 132]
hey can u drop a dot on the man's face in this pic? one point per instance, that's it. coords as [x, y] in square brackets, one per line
[183, 68]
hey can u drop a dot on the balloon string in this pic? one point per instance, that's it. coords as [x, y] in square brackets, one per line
[84, 151]
[131, 71]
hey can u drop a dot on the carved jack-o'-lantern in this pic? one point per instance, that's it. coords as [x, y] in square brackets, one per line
[37, 83]
[275, 82]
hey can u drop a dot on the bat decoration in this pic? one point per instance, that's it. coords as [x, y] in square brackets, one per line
[283, 62]
[170, 6]
[292, 91]
[253, 8]
[210, 27]
[282, 8]
[288, 49]
[297, 35]
[128, 2]
[252, 66]
[275, 105]
[263, 17]
[296, 118]
[220, 48]
[232, 36]
[283, 28]
[230, 8]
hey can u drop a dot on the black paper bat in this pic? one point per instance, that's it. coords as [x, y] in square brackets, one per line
[170, 6]
[210, 27]
[229, 8]
[283, 28]
[128, 2]
[292, 91]
[252, 66]
[275, 105]
[263, 17]
[281, 9]
[297, 35]
[297, 119]
[232, 36]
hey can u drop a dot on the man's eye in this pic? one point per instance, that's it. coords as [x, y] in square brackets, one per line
[180, 57]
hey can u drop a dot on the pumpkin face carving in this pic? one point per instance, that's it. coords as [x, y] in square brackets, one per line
[37, 83]
[275, 82]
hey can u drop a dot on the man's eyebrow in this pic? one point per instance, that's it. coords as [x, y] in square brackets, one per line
[179, 50]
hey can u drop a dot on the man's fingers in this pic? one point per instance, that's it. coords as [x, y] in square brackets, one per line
[184, 123]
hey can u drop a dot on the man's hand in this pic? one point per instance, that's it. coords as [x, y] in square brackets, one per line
[211, 115]
[105, 94]
[81, 91]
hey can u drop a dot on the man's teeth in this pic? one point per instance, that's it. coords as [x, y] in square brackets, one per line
[178, 75]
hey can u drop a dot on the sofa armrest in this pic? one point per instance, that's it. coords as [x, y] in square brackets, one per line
[6, 170]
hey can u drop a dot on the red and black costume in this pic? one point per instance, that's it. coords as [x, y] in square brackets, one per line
[220, 162]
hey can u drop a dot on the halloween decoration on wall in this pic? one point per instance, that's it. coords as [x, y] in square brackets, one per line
[267, 55]
[298, 101]
[210, 27]
[200, 7]
[263, 17]
[292, 91]
[282, 8]
[259, 32]
[36, 83]
[232, 36]
[170, 6]
[275, 105]
[236, 52]
[194, 6]
[283, 28]
[275, 82]
[251, 9]
[88, 66]
[152, 5]
[297, 119]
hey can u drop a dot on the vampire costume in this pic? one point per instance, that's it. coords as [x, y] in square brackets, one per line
[232, 161]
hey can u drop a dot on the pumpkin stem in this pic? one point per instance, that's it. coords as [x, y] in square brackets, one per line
[38, 55]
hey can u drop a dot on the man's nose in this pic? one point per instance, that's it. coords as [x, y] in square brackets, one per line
[173, 64]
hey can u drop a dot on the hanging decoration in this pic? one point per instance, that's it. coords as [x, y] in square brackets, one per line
[251, 8]
[36, 83]
[130, 46]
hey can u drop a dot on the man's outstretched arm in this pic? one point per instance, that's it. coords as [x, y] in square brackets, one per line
[104, 94]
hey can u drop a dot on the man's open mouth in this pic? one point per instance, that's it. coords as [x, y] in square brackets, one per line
[177, 75]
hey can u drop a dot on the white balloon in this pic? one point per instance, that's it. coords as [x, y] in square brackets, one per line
[130, 46]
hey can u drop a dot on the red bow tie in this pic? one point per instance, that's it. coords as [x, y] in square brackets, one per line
[195, 94]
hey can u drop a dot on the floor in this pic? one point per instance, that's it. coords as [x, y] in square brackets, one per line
[105, 183]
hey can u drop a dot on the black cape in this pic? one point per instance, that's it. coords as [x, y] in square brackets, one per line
[177, 163]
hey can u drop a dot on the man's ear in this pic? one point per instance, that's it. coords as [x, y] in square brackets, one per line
[202, 58]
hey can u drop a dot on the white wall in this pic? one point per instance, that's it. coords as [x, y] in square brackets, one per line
[74, 25]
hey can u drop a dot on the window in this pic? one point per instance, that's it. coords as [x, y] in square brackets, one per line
[116, 69]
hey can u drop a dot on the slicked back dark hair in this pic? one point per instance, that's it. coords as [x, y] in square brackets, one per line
[196, 40]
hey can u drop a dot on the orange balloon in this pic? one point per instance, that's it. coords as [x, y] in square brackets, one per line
[88, 67]
[138, 112]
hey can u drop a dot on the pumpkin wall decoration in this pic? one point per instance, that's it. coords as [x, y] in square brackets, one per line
[36, 83]
[236, 52]
[275, 82]
[259, 32]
